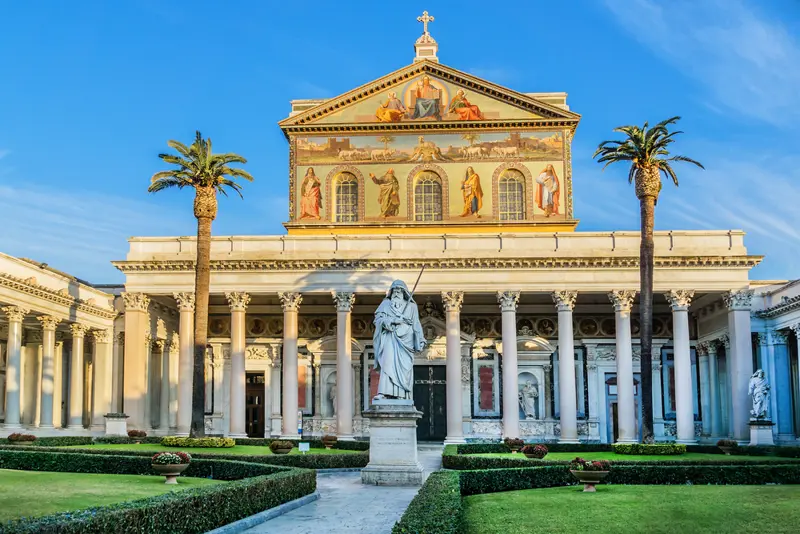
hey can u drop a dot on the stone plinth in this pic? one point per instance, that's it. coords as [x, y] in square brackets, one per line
[116, 424]
[761, 433]
[392, 444]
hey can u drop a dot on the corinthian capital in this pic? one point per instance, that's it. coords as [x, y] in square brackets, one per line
[290, 301]
[78, 330]
[15, 313]
[185, 301]
[238, 300]
[508, 300]
[136, 301]
[48, 322]
[343, 300]
[565, 300]
[101, 336]
[679, 299]
[738, 300]
[622, 299]
[453, 300]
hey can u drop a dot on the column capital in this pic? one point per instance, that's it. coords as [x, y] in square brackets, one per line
[565, 299]
[78, 330]
[101, 336]
[725, 341]
[185, 301]
[622, 299]
[175, 344]
[778, 337]
[136, 301]
[679, 299]
[508, 300]
[159, 344]
[343, 300]
[290, 301]
[453, 300]
[655, 366]
[237, 300]
[48, 322]
[15, 314]
[738, 300]
[707, 348]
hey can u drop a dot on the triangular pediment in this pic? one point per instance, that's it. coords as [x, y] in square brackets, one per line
[434, 329]
[428, 92]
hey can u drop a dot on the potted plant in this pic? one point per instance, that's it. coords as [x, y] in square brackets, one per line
[21, 439]
[535, 452]
[281, 447]
[170, 464]
[329, 441]
[137, 435]
[514, 444]
[727, 446]
[589, 472]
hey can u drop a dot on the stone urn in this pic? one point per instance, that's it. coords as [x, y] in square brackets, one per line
[589, 478]
[726, 450]
[171, 471]
[329, 441]
[22, 442]
[281, 450]
[532, 456]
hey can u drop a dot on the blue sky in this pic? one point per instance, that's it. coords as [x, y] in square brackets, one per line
[92, 90]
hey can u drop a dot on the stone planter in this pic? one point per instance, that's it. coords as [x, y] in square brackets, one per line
[171, 471]
[116, 424]
[22, 442]
[532, 457]
[589, 478]
[515, 448]
[727, 450]
[329, 443]
[281, 451]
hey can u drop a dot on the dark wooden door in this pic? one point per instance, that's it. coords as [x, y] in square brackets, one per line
[431, 400]
[254, 393]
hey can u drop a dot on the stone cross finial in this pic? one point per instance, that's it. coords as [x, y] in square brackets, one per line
[425, 19]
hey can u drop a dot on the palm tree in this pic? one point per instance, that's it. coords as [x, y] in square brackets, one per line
[471, 138]
[386, 139]
[647, 151]
[206, 172]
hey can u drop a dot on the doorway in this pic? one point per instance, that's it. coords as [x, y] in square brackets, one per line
[430, 398]
[611, 407]
[254, 404]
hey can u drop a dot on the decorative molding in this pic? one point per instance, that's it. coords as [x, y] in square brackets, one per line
[136, 301]
[568, 134]
[508, 300]
[565, 300]
[48, 322]
[30, 287]
[703, 348]
[33, 336]
[185, 301]
[237, 300]
[622, 299]
[257, 353]
[159, 344]
[343, 300]
[121, 338]
[788, 304]
[655, 366]
[466, 369]
[738, 300]
[679, 299]
[101, 336]
[78, 330]
[290, 301]
[453, 300]
[15, 314]
[778, 337]
[174, 344]
[725, 341]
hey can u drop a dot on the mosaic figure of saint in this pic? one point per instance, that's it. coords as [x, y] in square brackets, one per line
[392, 110]
[389, 196]
[473, 194]
[311, 196]
[427, 100]
[462, 106]
[548, 189]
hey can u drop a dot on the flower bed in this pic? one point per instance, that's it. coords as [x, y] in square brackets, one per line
[658, 449]
[204, 443]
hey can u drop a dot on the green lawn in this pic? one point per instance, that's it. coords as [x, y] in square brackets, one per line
[650, 509]
[238, 449]
[37, 493]
[638, 458]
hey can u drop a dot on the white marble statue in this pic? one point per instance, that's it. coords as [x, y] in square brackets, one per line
[398, 336]
[759, 390]
[528, 396]
[332, 397]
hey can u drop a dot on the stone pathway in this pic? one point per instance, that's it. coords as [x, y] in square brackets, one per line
[346, 505]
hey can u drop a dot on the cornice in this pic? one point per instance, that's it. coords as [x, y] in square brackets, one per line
[432, 127]
[788, 305]
[30, 287]
[711, 262]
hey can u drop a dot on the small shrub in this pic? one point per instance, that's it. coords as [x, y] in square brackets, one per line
[116, 414]
[16, 436]
[210, 443]
[646, 449]
[137, 434]
[280, 444]
[579, 464]
[535, 451]
[112, 440]
[727, 443]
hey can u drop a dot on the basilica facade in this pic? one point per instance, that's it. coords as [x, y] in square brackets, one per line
[461, 188]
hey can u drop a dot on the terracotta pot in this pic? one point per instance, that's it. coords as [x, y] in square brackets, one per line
[281, 451]
[726, 450]
[171, 471]
[589, 478]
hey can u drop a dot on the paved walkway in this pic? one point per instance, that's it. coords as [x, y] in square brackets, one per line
[346, 505]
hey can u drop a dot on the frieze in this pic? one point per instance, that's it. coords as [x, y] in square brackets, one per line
[30, 287]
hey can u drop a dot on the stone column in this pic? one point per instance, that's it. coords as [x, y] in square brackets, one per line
[452, 304]
[14, 314]
[185, 361]
[103, 377]
[163, 396]
[713, 390]
[291, 305]
[565, 302]
[741, 361]
[782, 384]
[508, 305]
[49, 324]
[705, 386]
[276, 372]
[135, 362]
[344, 365]
[658, 397]
[548, 388]
[358, 406]
[626, 408]
[238, 302]
[174, 370]
[76, 378]
[684, 407]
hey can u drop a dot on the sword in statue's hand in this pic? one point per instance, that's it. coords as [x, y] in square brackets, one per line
[413, 290]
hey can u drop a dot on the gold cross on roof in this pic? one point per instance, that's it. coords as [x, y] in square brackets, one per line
[425, 19]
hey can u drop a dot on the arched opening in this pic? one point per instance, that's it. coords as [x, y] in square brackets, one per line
[428, 197]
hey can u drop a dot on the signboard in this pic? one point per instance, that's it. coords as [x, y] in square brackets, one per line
[300, 422]
[304, 447]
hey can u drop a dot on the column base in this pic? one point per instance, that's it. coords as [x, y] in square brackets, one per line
[290, 436]
[97, 427]
[46, 427]
[627, 441]
[78, 427]
[182, 434]
[12, 426]
[569, 441]
[457, 440]
[237, 436]
[346, 437]
[686, 441]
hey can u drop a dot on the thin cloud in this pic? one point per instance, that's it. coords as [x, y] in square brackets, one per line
[4, 153]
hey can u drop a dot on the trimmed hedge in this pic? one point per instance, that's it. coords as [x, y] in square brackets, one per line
[203, 443]
[255, 488]
[645, 449]
[57, 441]
[314, 443]
[483, 448]
[436, 509]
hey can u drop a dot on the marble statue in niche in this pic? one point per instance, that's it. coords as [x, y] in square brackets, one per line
[529, 399]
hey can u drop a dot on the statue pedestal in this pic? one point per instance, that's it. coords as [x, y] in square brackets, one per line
[392, 444]
[761, 432]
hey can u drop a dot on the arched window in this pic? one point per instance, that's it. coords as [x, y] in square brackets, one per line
[511, 195]
[428, 197]
[346, 197]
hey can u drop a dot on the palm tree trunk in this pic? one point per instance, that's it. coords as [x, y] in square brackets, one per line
[647, 214]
